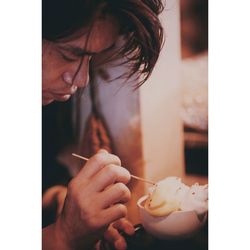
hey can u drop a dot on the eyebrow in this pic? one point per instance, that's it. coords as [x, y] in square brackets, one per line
[82, 52]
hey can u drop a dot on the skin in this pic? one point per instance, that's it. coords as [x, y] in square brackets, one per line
[89, 209]
[56, 196]
[93, 203]
[66, 62]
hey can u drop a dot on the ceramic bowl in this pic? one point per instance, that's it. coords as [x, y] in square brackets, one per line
[177, 225]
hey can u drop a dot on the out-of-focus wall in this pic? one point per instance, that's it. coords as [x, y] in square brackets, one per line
[160, 100]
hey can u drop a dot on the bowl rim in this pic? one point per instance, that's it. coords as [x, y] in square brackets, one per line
[144, 197]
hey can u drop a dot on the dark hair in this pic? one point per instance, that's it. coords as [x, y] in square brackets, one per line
[138, 20]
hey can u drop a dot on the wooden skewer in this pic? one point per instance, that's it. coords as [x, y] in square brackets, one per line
[79, 156]
[142, 179]
[133, 176]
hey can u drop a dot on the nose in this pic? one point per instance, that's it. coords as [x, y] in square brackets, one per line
[79, 76]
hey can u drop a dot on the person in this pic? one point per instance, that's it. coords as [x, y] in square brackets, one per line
[74, 32]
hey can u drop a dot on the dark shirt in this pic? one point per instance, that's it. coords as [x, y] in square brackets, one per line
[56, 134]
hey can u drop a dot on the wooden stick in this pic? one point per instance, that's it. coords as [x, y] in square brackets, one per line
[132, 176]
[141, 179]
[79, 156]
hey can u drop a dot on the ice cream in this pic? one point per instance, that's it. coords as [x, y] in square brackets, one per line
[196, 199]
[170, 195]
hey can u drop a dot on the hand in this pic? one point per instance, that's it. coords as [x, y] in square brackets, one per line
[113, 236]
[94, 199]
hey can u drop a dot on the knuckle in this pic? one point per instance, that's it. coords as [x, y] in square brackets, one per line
[103, 158]
[123, 190]
[117, 173]
[91, 222]
[99, 158]
[121, 187]
[111, 171]
[122, 210]
[126, 174]
[116, 159]
[128, 195]
[111, 168]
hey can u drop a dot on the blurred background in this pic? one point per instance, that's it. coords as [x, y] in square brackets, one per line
[194, 78]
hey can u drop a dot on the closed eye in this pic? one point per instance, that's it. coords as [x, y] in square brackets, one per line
[68, 59]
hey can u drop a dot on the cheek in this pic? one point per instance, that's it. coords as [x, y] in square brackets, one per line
[52, 70]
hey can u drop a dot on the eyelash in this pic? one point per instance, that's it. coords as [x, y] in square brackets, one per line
[68, 59]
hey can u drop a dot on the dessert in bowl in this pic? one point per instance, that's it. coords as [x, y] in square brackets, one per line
[173, 210]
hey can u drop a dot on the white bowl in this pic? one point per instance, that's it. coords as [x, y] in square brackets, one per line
[178, 224]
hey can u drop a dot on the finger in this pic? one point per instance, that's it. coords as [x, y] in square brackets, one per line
[49, 197]
[113, 236]
[120, 244]
[118, 192]
[110, 174]
[97, 162]
[60, 201]
[124, 225]
[112, 214]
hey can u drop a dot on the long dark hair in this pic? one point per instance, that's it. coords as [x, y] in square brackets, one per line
[138, 20]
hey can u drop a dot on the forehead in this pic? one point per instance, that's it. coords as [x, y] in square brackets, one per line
[100, 35]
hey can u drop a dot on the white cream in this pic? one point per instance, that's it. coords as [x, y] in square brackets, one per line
[196, 199]
[171, 195]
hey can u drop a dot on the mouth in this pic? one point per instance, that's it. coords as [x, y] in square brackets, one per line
[64, 95]
[70, 91]
[61, 96]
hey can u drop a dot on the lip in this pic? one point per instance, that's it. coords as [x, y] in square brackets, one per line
[69, 92]
[61, 94]
[61, 97]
